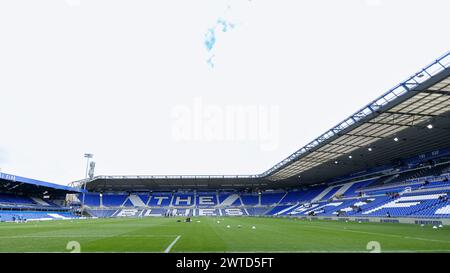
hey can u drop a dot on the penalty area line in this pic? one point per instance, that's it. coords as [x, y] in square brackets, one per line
[172, 244]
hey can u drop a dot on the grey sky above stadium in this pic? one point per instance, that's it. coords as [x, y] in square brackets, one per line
[136, 84]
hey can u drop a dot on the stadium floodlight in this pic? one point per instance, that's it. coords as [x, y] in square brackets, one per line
[430, 126]
[91, 169]
[88, 156]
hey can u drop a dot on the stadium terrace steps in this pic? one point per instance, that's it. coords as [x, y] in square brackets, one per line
[384, 180]
[127, 203]
[230, 200]
[299, 196]
[282, 198]
[322, 194]
[354, 189]
[330, 194]
[136, 201]
[40, 201]
[341, 191]
[144, 198]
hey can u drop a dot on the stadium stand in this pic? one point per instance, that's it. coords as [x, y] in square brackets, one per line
[24, 199]
[421, 192]
[389, 159]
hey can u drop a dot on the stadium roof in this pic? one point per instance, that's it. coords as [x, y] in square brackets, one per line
[410, 119]
[400, 113]
[14, 183]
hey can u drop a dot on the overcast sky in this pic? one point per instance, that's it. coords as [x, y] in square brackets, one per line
[198, 86]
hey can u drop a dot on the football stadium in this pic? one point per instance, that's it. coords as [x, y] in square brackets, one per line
[376, 182]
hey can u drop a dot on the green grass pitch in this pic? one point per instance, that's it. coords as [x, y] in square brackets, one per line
[205, 234]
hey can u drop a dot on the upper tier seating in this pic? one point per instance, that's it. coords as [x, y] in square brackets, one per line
[113, 200]
[16, 199]
[90, 199]
[271, 198]
[302, 195]
[250, 199]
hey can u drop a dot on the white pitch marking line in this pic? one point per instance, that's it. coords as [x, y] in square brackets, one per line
[172, 244]
[80, 236]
